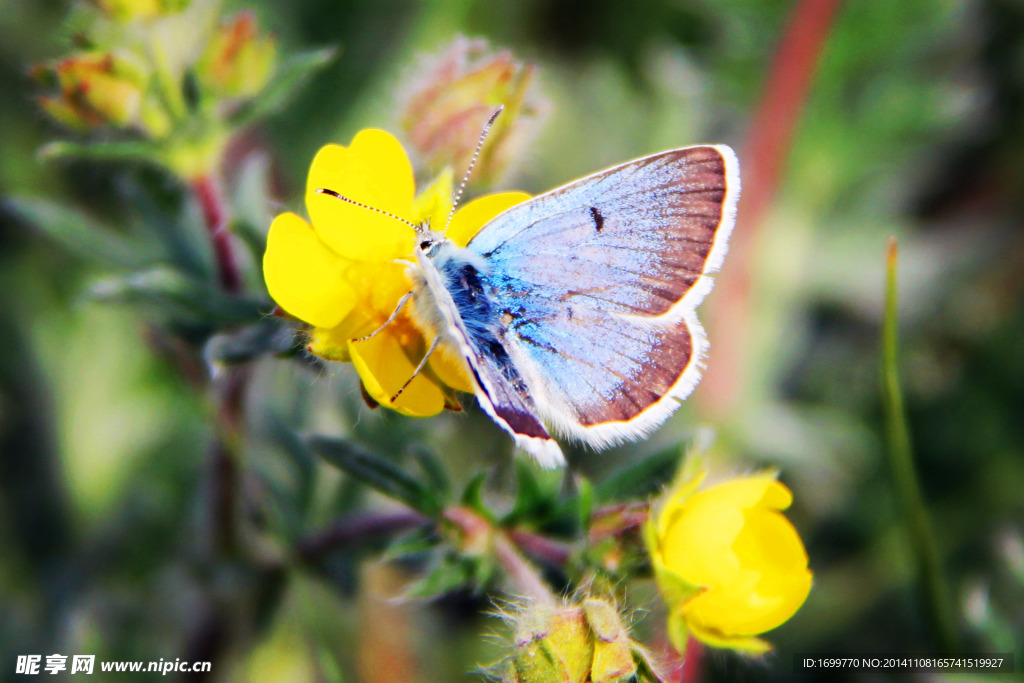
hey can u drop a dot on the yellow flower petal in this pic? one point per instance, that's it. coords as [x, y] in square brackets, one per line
[382, 285]
[384, 368]
[476, 214]
[711, 520]
[303, 275]
[330, 343]
[712, 529]
[433, 205]
[374, 171]
[771, 544]
[451, 370]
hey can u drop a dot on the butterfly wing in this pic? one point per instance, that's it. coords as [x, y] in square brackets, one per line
[451, 301]
[597, 283]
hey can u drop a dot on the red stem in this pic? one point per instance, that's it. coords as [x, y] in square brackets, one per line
[231, 386]
[540, 547]
[211, 201]
[693, 662]
[763, 160]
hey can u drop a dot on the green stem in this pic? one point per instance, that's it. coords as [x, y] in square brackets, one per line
[168, 87]
[905, 481]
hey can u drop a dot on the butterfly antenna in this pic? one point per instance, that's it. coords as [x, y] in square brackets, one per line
[472, 163]
[324, 190]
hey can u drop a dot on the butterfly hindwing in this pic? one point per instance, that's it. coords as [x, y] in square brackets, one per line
[596, 285]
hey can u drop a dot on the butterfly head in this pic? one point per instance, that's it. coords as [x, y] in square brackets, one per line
[429, 242]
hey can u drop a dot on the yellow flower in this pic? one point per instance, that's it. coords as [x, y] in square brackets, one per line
[343, 272]
[729, 565]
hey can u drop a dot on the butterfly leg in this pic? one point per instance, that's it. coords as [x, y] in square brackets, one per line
[391, 319]
[419, 368]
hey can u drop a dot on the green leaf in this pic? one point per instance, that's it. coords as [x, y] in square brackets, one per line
[169, 289]
[157, 216]
[303, 462]
[450, 574]
[416, 542]
[473, 497]
[433, 469]
[377, 473]
[640, 478]
[583, 502]
[675, 589]
[76, 232]
[136, 150]
[284, 84]
[262, 338]
[537, 493]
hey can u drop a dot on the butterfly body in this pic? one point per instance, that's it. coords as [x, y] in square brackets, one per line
[576, 310]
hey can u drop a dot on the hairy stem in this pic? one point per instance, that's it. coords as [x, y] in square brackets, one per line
[478, 533]
[523, 574]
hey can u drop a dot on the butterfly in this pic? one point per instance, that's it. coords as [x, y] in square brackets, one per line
[575, 311]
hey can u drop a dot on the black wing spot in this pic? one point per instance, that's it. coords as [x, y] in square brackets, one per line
[598, 218]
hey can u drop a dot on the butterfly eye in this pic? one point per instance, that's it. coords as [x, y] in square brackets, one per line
[425, 244]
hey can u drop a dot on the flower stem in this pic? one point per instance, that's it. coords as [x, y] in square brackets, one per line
[904, 476]
[231, 385]
[208, 192]
[519, 569]
[523, 575]
[540, 547]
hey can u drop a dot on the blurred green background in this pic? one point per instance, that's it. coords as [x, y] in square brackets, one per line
[912, 125]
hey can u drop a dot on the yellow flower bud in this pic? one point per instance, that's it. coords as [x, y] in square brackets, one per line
[553, 645]
[238, 61]
[451, 95]
[729, 565]
[613, 650]
[96, 89]
[575, 643]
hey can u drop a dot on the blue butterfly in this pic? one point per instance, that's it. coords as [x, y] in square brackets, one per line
[576, 310]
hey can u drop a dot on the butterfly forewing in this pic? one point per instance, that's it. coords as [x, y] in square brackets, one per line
[597, 283]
